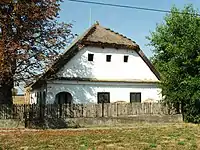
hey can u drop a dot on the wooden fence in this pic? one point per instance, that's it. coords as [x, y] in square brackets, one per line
[83, 111]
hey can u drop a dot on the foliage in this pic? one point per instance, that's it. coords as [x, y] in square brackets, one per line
[176, 45]
[30, 37]
[14, 92]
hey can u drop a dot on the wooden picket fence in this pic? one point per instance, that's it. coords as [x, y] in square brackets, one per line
[83, 110]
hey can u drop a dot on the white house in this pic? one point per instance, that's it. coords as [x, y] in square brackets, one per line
[100, 66]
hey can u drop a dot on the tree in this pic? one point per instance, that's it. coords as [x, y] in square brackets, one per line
[14, 92]
[30, 39]
[176, 45]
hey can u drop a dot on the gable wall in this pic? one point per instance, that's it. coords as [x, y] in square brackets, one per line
[117, 69]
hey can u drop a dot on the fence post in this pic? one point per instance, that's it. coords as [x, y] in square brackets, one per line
[42, 108]
[82, 110]
[71, 110]
[27, 116]
[103, 109]
[60, 110]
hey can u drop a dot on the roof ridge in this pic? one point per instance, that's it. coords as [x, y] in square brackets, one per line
[119, 34]
[89, 31]
[98, 24]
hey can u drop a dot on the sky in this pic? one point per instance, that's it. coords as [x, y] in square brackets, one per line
[135, 24]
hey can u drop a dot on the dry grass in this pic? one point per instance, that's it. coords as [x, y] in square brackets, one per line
[144, 137]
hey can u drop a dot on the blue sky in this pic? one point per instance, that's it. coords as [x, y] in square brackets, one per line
[135, 24]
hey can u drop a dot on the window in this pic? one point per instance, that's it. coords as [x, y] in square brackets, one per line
[103, 97]
[63, 98]
[108, 58]
[135, 97]
[90, 57]
[125, 58]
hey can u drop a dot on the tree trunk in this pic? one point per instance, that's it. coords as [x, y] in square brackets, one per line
[7, 63]
[6, 94]
[6, 76]
[182, 110]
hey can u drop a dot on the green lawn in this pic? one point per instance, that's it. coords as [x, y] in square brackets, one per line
[139, 136]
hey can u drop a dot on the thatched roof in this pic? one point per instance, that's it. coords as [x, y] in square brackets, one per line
[96, 36]
[100, 36]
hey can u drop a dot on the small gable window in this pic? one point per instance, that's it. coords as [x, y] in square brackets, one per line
[125, 58]
[108, 58]
[90, 57]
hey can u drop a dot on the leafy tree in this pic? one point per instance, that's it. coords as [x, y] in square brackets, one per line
[176, 45]
[14, 92]
[30, 39]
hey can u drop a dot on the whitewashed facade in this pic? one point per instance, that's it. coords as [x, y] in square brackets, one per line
[83, 78]
[133, 70]
[86, 92]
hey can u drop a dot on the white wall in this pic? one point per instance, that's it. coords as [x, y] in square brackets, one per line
[33, 94]
[117, 69]
[86, 92]
[33, 97]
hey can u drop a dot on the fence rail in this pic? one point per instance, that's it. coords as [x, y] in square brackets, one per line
[82, 110]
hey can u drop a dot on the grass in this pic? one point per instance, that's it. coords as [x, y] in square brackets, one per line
[140, 137]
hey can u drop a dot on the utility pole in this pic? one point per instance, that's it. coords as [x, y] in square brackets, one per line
[90, 19]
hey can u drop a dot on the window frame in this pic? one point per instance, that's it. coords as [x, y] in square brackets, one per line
[126, 58]
[98, 95]
[136, 100]
[90, 57]
[108, 58]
